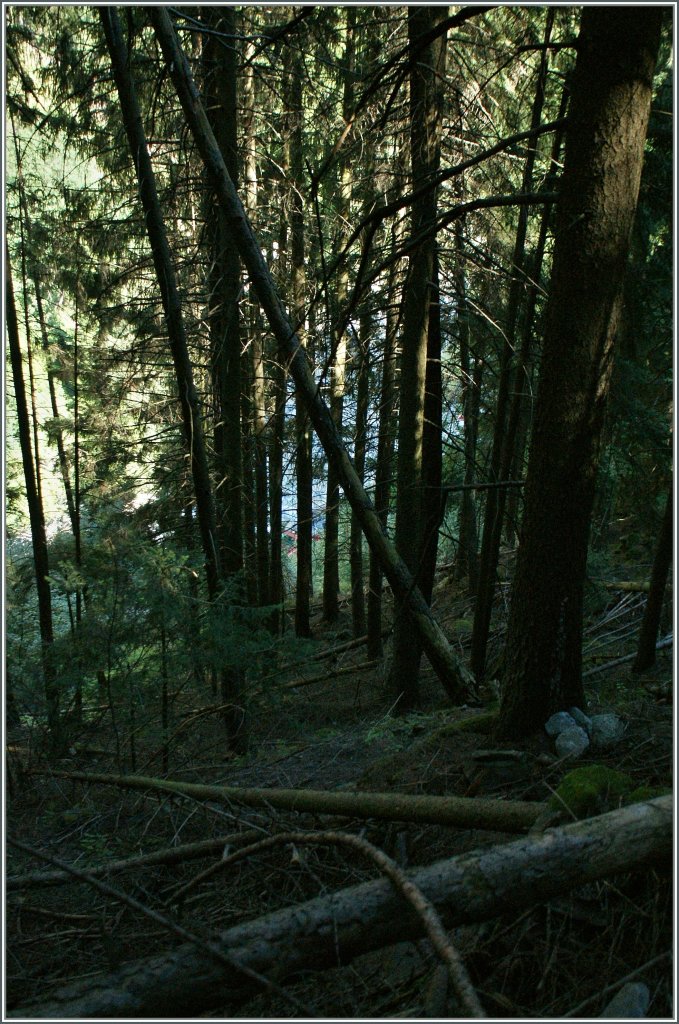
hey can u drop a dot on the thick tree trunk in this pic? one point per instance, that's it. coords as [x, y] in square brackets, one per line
[610, 102]
[332, 930]
[36, 517]
[188, 395]
[517, 426]
[360, 436]
[656, 594]
[453, 675]
[419, 303]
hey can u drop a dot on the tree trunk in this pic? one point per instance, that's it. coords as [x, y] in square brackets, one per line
[452, 673]
[466, 562]
[385, 445]
[36, 517]
[517, 427]
[419, 300]
[503, 444]
[360, 434]
[188, 396]
[303, 466]
[610, 102]
[661, 566]
[225, 292]
[331, 930]
[331, 579]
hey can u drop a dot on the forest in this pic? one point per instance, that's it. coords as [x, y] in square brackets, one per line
[338, 511]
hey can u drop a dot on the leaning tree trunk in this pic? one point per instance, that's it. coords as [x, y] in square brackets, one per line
[425, 131]
[36, 516]
[188, 395]
[610, 103]
[452, 673]
[661, 566]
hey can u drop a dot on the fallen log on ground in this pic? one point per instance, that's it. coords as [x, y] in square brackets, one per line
[172, 855]
[458, 811]
[330, 930]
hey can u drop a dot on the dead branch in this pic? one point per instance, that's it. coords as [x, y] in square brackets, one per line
[332, 674]
[222, 958]
[330, 930]
[459, 811]
[431, 921]
[173, 855]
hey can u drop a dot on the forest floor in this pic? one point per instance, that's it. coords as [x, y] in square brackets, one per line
[565, 958]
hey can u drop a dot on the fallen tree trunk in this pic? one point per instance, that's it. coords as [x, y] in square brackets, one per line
[458, 811]
[330, 930]
[455, 677]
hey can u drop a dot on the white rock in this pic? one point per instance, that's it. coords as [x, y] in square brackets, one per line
[558, 722]
[571, 742]
[607, 730]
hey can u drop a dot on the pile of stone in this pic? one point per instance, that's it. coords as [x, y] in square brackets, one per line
[574, 732]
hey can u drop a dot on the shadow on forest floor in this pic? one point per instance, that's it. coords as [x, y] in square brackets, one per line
[336, 732]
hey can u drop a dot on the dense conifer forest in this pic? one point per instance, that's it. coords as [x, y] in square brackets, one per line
[338, 511]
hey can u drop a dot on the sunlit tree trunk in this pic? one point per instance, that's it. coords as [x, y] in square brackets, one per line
[608, 118]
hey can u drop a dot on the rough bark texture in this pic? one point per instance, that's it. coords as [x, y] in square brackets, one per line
[332, 930]
[610, 104]
[661, 566]
[452, 673]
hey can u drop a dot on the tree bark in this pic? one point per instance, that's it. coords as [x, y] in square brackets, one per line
[462, 812]
[332, 930]
[331, 577]
[610, 103]
[502, 443]
[452, 673]
[385, 445]
[420, 302]
[224, 302]
[36, 517]
[661, 566]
